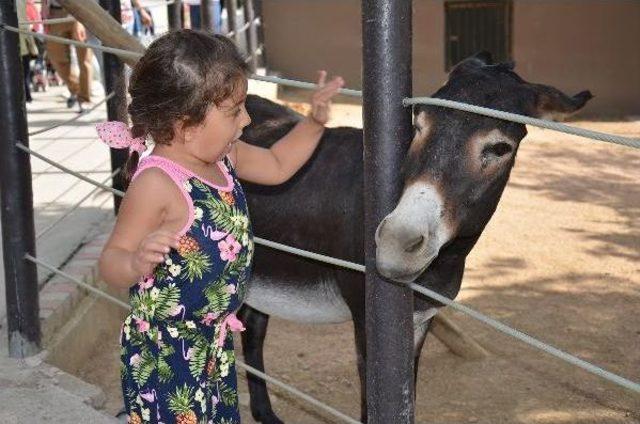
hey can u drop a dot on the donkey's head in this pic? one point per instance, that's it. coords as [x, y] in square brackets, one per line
[458, 163]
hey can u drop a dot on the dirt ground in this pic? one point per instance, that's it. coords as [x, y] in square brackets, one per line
[560, 260]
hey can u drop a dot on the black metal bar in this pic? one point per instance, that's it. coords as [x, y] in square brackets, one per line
[253, 35]
[232, 13]
[257, 6]
[207, 15]
[386, 30]
[114, 81]
[18, 234]
[174, 13]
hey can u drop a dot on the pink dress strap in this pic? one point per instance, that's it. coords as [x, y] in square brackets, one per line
[177, 174]
[175, 171]
[178, 171]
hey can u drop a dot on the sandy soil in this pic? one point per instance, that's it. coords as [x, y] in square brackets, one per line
[560, 261]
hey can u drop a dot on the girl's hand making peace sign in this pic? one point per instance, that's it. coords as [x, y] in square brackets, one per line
[278, 163]
[321, 98]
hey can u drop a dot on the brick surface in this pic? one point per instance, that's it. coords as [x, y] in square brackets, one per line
[60, 295]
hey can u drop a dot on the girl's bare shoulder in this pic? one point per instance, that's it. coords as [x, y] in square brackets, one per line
[156, 193]
[153, 188]
[150, 181]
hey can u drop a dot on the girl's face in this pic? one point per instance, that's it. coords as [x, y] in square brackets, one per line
[221, 128]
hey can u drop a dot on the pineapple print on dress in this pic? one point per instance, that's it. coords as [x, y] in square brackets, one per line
[226, 197]
[134, 418]
[181, 404]
[177, 356]
[195, 262]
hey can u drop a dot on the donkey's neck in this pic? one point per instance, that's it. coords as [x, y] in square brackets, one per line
[444, 275]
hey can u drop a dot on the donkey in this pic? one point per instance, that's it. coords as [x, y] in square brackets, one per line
[454, 172]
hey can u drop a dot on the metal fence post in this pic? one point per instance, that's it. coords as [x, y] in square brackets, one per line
[232, 13]
[386, 31]
[257, 6]
[207, 16]
[18, 235]
[253, 35]
[174, 13]
[114, 81]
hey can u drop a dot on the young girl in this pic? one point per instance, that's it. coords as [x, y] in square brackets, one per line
[182, 242]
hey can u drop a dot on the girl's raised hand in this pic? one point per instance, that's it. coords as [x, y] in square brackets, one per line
[321, 98]
[152, 251]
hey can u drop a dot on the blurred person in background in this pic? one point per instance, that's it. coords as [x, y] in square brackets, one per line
[28, 48]
[128, 15]
[60, 55]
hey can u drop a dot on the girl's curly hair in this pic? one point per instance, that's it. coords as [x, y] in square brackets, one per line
[178, 78]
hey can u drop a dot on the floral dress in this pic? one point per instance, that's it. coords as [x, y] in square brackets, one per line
[178, 363]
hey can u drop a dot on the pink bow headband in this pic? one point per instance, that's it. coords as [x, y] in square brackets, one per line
[117, 134]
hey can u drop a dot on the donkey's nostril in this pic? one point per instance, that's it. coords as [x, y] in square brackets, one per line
[414, 244]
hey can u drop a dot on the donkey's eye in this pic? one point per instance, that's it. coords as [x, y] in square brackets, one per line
[416, 128]
[497, 150]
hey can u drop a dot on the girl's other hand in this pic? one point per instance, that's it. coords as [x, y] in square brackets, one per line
[79, 32]
[152, 251]
[321, 98]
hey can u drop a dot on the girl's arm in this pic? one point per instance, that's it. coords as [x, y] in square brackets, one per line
[280, 162]
[137, 243]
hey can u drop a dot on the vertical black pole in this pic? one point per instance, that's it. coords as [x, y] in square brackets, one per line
[386, 30]
[21, 277]
[114, 81]
[232, 9]
[257, 7]
[207, 15]
[253, 35]
[174, 15]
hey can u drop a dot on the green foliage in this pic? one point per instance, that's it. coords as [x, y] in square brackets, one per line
[143, 370]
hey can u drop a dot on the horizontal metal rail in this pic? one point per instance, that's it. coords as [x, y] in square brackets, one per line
[75, 118]
[76, 206]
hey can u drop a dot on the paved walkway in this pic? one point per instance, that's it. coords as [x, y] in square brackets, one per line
[31, 388]
[75, 145]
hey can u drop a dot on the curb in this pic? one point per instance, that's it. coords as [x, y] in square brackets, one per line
[59, 297]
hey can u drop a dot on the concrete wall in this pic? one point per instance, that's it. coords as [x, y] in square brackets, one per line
[303, 36]
[572, 44]
[582, 44]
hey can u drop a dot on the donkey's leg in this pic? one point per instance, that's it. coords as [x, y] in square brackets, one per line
[256, 323]
[420, 334]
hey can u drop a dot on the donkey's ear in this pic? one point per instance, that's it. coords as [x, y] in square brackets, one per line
[553, 104]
